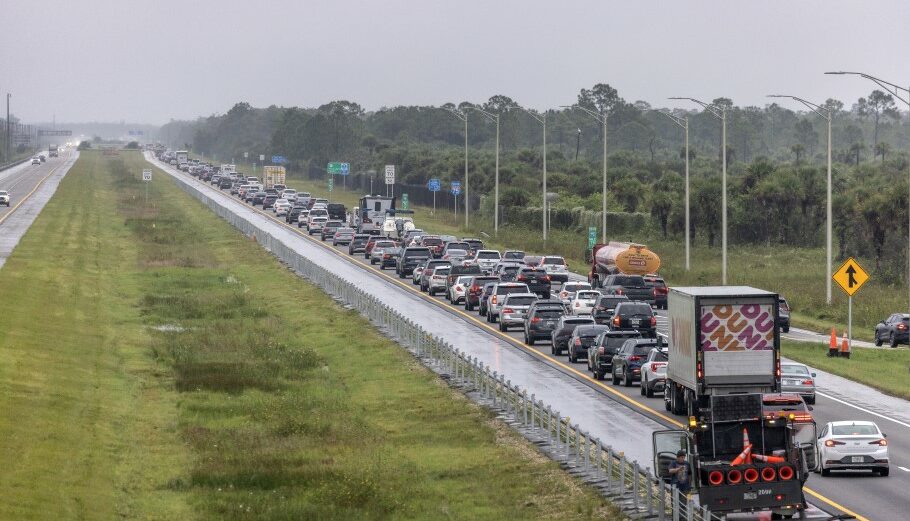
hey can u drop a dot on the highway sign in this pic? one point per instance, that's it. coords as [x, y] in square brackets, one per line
[331, 183]
[433, 185]
[147, 174]
[55, 132]
[246, 155]
[850, 277]
[262, 157]
[335, 167]
[390, 174]
[279, 160]
[456, 187]
[404, 202]
[136, 132]
[592, 236]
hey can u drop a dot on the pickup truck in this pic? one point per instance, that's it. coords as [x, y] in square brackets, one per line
[632, 286]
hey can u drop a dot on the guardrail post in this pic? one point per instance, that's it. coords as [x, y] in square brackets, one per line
[661, 501]
[599, 457]
[577, 445]
[705, 513]
[650, 496]
[690, 510]
[622, 475]
[675, 508]
[533, 406]
[558, 431]
[495, 387]
[587, 451]
[636, 476]
[524, 406]
[549, 424]
[510, 409]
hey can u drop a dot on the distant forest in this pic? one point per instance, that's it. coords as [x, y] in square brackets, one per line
[775, 153]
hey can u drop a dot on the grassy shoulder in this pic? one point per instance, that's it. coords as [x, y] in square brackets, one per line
[178, 372]
[887, 370]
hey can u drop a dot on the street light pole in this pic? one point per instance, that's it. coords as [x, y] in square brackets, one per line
[9, 138]
[895, 90]
[721, 114]
[494, 118]
[828, 114]
[684, 124]
[602, 119]
[542, 119]
[464, 117]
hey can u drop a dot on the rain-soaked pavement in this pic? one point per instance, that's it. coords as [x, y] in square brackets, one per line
[559, 385]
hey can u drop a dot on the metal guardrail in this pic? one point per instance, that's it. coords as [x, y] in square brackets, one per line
[625, 483]
[14, 163]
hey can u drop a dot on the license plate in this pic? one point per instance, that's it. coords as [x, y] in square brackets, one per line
[635, 322]
[857, 459]
[750, 495]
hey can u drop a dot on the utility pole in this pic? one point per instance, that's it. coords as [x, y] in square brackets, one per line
[577, 143]
[684, 124]
[721, 114]
[602, 119]
[542, 119]
[494, 118]
[463, 116]
[9, 137]
[828, 114]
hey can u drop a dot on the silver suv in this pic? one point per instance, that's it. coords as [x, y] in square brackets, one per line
[498, 296]
[515, 309]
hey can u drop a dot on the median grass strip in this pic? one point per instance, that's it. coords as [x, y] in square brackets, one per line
[159, 365]
[884, 369]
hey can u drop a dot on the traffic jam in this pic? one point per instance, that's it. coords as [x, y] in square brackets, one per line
[709, 357]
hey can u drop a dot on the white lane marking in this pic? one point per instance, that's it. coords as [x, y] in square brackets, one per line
[873, 413]
[905, 469]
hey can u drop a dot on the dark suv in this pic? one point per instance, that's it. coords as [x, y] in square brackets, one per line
[895, 329]
[559, 337]
[543, 316]
[634, 316]
[783, 314]
[582, 338]
[475, 288]
[537, 280]
[358, 243]
[600, 355]
[659, 289]
[605, 306]
[627, 361]
[409, 259]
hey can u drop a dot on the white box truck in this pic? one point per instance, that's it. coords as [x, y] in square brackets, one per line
[273, 175]
[722, 340]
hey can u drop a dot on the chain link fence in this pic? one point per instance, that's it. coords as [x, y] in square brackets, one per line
[625, 483]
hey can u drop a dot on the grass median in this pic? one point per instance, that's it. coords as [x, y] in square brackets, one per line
[159, 365]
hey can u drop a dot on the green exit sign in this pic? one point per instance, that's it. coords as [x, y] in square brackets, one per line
[404, 202]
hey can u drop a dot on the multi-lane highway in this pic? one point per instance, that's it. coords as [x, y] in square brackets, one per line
[866, 496]
[30, 187]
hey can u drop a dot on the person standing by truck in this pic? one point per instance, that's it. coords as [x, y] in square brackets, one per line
[679, 470]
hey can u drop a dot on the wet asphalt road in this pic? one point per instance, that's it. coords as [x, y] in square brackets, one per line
[868, 496]
[30, 187]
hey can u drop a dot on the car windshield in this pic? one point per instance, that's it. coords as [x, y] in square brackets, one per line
[854, 430]
[572, 287]
[457, 253]
[488, 255]
[635, 308]
[459, 245]
[661, 356]
[505, 290]
[614, 342]
[576, 321]
[441, 271]
[432, 241]
[587, 295]
[554, 260]
[422, 253]
[800, 370]
[521, 301]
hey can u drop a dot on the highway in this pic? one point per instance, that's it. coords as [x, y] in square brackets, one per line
[30, 187]
[868, 497]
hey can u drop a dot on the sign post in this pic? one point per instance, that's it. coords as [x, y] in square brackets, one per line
[456, 189]
[433, 185]
[390, 180]
[331, 183]
[146, 178]
[850, 277]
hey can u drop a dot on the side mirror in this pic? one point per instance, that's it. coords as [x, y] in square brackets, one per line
[813, 375]
[884, 435]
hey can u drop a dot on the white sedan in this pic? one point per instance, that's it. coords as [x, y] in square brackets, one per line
[568, 290]
[4, 197]
[583, 301]
[852, 445]
[281, 207]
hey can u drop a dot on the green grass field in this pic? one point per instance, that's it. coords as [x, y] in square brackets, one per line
[159, 365]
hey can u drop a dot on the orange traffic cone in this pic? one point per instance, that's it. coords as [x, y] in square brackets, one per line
[770, 459]
[742, 456]
[832, 345]
[747, 443]
[845, 347]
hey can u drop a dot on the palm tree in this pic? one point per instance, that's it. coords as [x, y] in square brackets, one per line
[855, 149]
[798, 149]
[881, 149]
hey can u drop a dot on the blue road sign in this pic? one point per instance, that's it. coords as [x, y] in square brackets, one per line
[433, 185]
[279, 160]
[456, 187]
[345, 168]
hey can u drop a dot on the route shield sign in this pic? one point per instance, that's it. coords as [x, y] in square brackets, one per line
[456, 187]
[405, 204]
[146, 174]
[433, 185]
[850, 277]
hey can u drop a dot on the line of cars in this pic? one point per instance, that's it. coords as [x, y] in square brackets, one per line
[612, 329]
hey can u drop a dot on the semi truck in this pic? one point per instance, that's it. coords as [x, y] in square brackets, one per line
[724, 353]
[52, 151]
[273, 175]
[623, 258]
[182, 157]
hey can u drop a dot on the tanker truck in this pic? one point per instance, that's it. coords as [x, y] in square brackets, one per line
[621, 258]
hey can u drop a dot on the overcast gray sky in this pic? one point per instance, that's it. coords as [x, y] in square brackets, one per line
[149, 61]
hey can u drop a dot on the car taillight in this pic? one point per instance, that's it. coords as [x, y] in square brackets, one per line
[367, 220]
[577, 304]
[654, 366]
[902, 326]
[563, 294]
[577, 341]
[653, 321]
[634, 358]
[386, 256]
[546, 278]
[600, 308]
[474, 290]
[508, 310]
[616, 321]
[807, 382]
[494, 299]
[619, 291]
[520, 278]
[698, 371]
[832, 443]
[654, 292]
[458, 287]
[882, 442]
[535, 320]
[601, 350]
